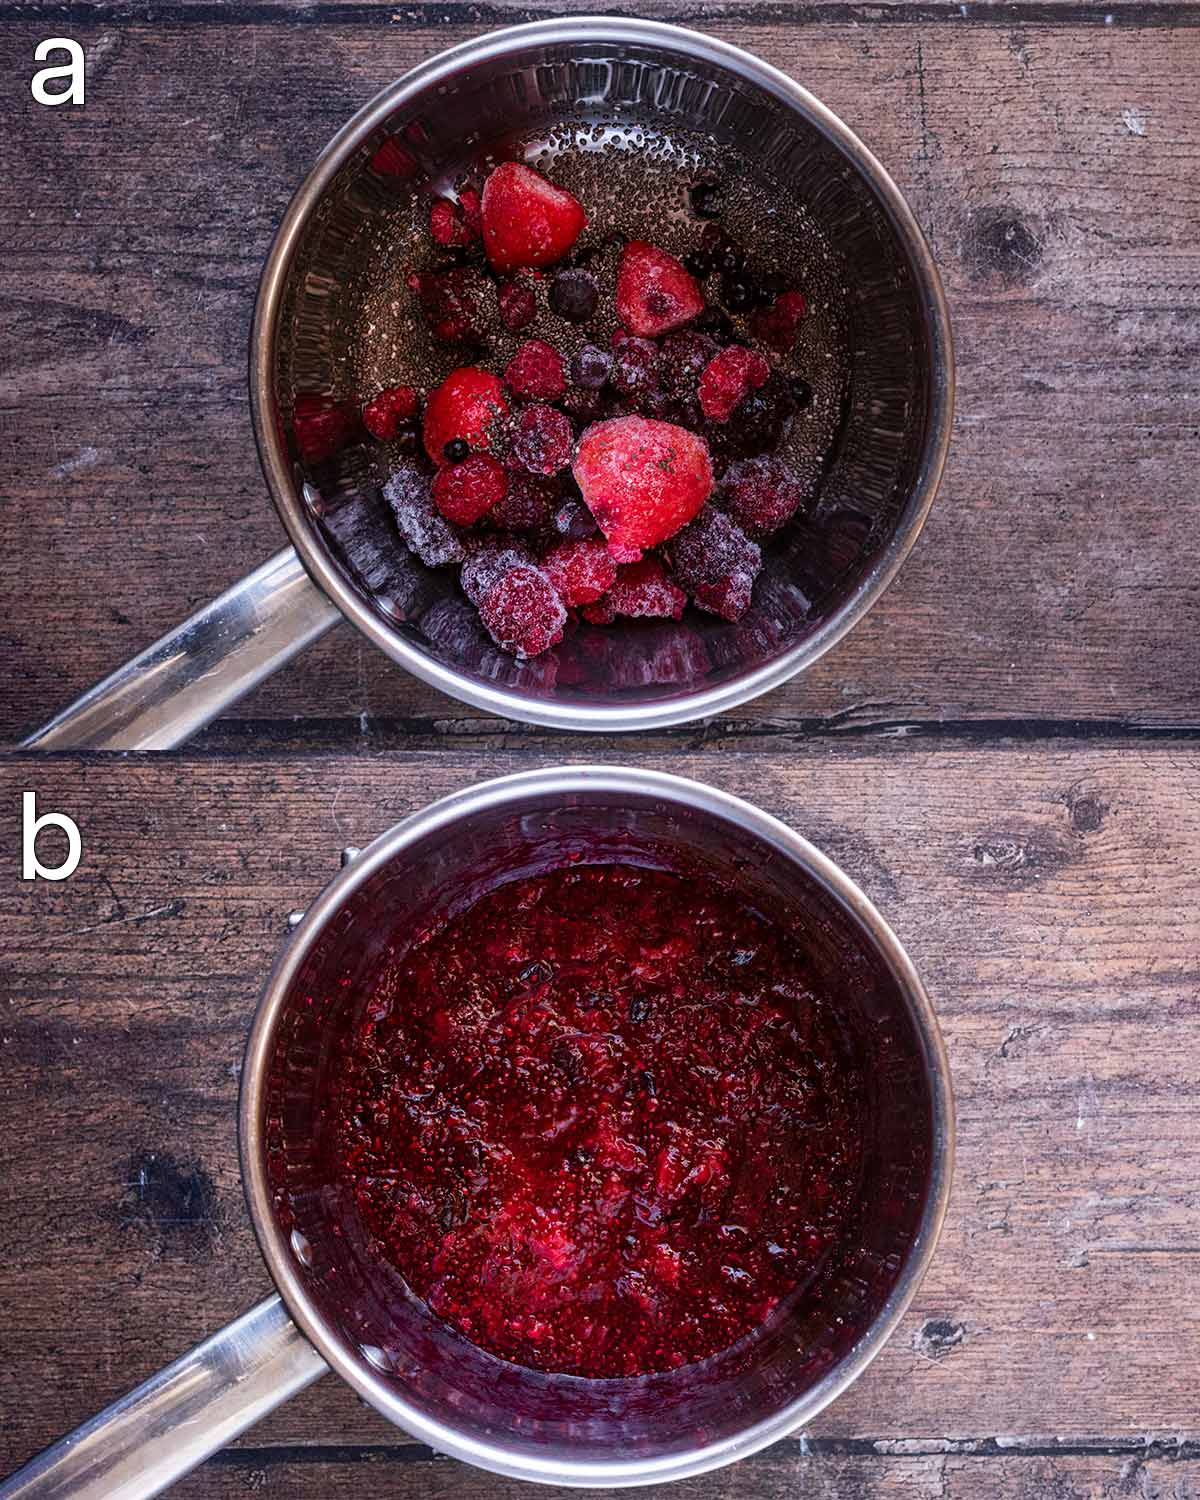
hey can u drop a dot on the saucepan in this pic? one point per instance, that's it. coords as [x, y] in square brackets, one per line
[345, 562]
[448, 1393]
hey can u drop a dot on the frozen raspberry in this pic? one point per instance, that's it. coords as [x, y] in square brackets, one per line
[535, 372]
[528, 505]
[591, 367]
[642, 480]
[573, 295]
[642, 591]
[472, 211]
[573, 521]
[729, 377]
[394, 160]
[518, 305]
[447, 224]
[760, 494]
[634, 367]
[527, 221]
[457, 303]
[488, 561]
[682, 358]
[778, 324]
[522, 613]
[716, 562]
[580, 571]
[424, 529]
[384, 415]
[322, 426]
[654, 291]
[467, 407]
[541, 440]
[464, 492]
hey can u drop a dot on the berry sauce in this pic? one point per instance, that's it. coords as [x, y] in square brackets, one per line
[600, 1121]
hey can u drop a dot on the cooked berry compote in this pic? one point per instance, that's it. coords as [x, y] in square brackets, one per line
[600, 378]
[600, 1121]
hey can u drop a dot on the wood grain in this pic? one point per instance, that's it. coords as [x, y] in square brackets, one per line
[1048, 895]
[1055, 166]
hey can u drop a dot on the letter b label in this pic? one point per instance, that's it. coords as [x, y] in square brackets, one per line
[31, 825]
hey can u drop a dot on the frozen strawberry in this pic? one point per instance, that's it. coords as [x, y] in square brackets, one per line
[642, 480]
[488, 561]
[458, 304]
[464, 492]
[386, 414]
[716, 562]
[468, 407]
[322, 426]
[655, 292]
[425, 530]
[541, 440]
[527, 221]
[642, 591]
[522, 613]
[580, 571]
[778, 324]
[447, 224]
[728, 378]
[536, 372]
[518, 305]
[528, 505]
[760, 494]
[394, 160]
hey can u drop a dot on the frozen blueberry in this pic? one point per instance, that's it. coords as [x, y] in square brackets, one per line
[591, 367]
[573, 295]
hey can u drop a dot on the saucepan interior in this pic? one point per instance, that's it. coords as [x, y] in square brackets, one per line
[415, 1368]
[628, 83]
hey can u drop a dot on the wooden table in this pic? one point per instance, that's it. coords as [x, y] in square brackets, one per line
[1004, 754]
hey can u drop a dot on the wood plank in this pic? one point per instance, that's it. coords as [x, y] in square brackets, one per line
[1055, 167]
[1047, 893]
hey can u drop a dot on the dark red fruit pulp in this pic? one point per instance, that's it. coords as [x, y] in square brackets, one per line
[599, 1121]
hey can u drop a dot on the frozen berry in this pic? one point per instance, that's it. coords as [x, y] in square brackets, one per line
[642, 480]
[801, 392]
[573, 295]
[573, 521]
[717, 324]
[634, 367]
[456, 450]
[760, 420]
[528, 505]
[457, 303]
[527, 221]
[541, 440]
[464, 492]
[472, 211]
[424, 529]
[642, 591]
[394, 407]
[778, 324]
[469, 405]
[322, 426]
[447, 224]
[740, 292]
[535, 372]
[760, 494]
[580, 571]
[488, 561]
[655, 293]
[708, 198]
[591, 367]
[522, 613]
[681, 361]
[518, 305]
[729, 377]
[716, 562]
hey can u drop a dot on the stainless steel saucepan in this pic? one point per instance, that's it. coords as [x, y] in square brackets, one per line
[877, 487]
[415, 1370]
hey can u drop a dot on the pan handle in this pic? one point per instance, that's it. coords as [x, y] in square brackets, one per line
[174, 1420]
[182, 682]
